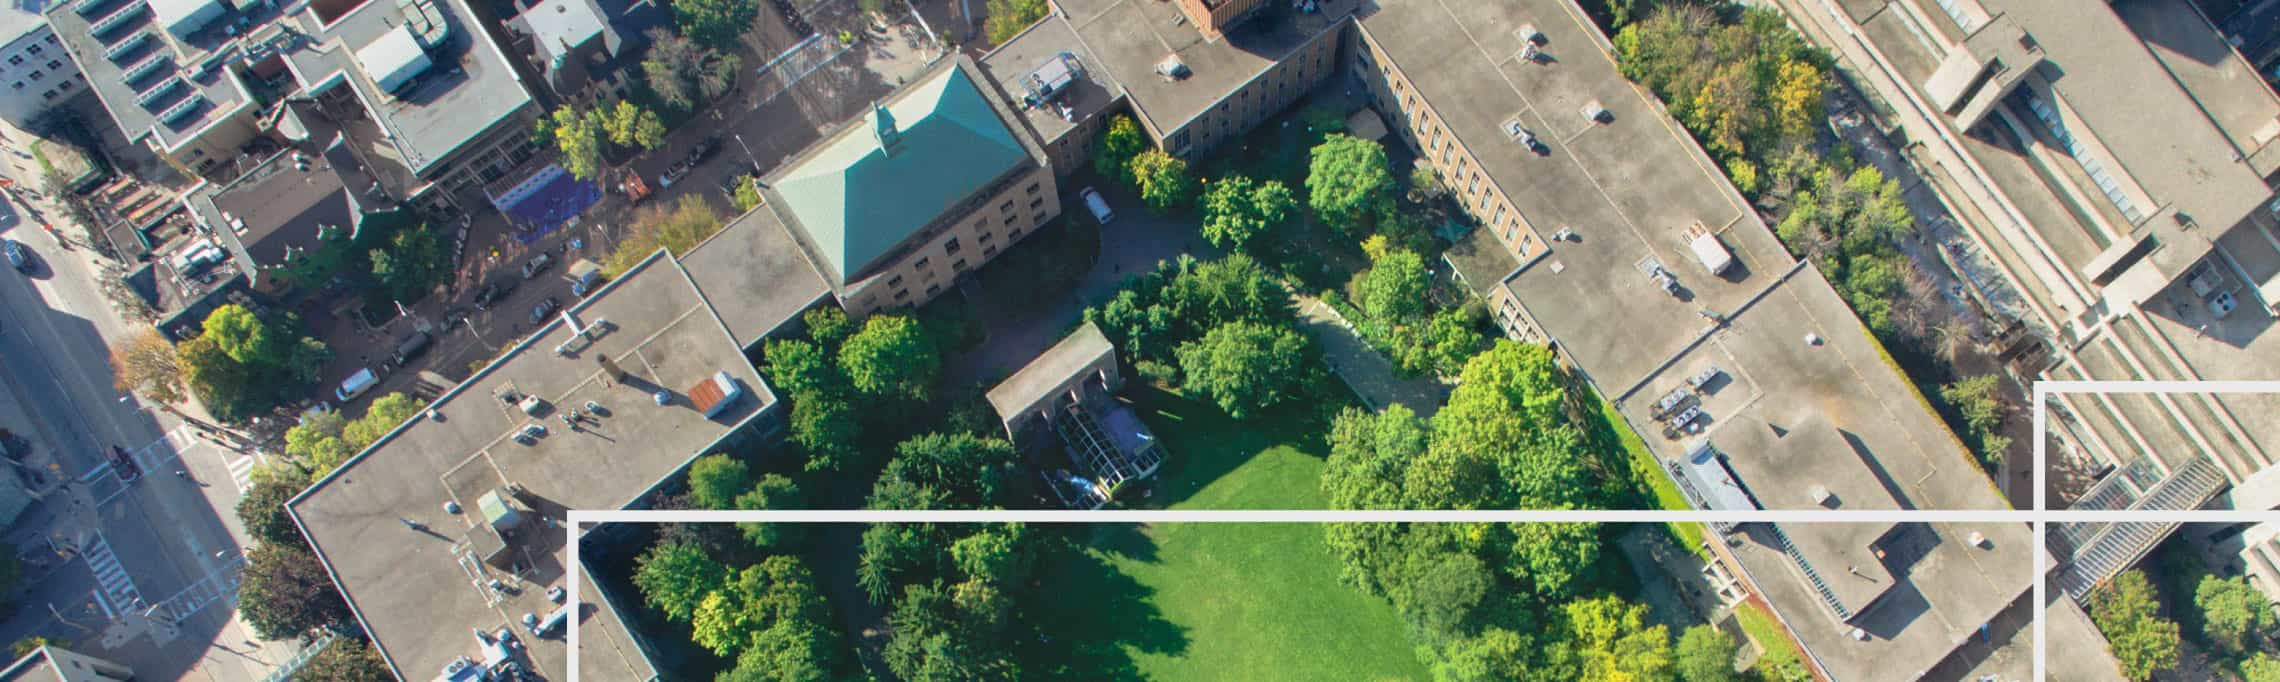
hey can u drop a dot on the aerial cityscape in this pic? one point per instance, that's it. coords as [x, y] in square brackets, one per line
[324, 315]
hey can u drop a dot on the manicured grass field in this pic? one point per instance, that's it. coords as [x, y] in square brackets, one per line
[1218, 601]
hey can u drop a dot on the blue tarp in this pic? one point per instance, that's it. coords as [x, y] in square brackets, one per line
[558, 199]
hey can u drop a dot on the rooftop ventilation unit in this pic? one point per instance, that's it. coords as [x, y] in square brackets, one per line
[88, 7]
[1052, 78]
[143, 69]
[1172, 67]
[176, 113]
[127, 46]
[116, 19]
[158, 93]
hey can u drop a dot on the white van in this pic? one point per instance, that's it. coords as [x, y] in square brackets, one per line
[355, 385]
[1097, 205]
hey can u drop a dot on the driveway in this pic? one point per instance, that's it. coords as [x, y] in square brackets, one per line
[1370, 374]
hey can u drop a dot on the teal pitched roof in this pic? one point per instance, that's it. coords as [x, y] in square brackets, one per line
[911, 160]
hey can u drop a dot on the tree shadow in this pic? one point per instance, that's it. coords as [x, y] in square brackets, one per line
[1087, 620]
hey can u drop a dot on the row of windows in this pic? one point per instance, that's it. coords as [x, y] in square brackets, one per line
[1458, 170]
[1279, 80]
[983, 236]
[63, 87]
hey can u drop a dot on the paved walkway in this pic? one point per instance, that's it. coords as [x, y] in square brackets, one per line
[1370, 375]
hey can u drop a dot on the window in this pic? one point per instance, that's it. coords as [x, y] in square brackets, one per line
[958, 265]
[951, 247]
[19, 85]
[921, 264]
[896, 282]
[51, 39]
[932, 288]
[1015, 234]
[35, 49]
[1007, 207]
[901, 294]
[986, 237]
[15, 59]
[36, 75]
[66, 86]
[1033, 187]
[988, 251]
[55, 65]
[1034, 203]
[48, 95]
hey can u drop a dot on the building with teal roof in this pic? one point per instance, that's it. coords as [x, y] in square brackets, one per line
[894, 205]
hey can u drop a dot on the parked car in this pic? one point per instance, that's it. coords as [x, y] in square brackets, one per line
[703, 150]
[537, 264]
[491, 293]
[19, 257]
[355, 385]
[1097, 205]
[544, 308]
[674, 173]
[735, 180]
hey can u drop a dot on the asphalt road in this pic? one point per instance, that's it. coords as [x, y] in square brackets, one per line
[168, 532]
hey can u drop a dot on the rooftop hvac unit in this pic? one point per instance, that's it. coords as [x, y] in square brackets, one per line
[116, 19]
[126, 46]
[158, 93]
[176, 113]
[143, 69]
[88, 7]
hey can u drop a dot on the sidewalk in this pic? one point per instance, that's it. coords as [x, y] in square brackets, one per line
[1370, 375]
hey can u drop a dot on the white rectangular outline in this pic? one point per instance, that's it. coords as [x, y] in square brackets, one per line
[2042, 393]
[2040, 517]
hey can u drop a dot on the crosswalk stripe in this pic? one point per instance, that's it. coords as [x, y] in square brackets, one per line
[241, 471]
[117, 585]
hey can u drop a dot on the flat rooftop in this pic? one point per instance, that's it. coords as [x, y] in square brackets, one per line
[755, 275]
[20, 18]
[417, 589]
[1942, 588]
[1012, 63]
[1050, 369]
[153, 82]
[1132, 36]
[468, 88]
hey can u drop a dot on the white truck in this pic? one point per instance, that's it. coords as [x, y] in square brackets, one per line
[1708, 249]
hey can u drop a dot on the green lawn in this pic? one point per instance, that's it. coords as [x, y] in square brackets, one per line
[1218, 601]
[1648, 470]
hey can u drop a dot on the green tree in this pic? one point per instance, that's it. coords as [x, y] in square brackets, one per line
[970, 470]
[2127, 612]
[1496, 655]
[1440, 593]
[2260, 668]
[998, 553]
[892, 356]
[262, 509]
[316, 442]
[716, 480]
[1706, 654]
[1237, 209]
[715, 23]
[25, 647]
[415, 260]
[347, 659]
[1163, 179]
[928, 644]
[578, 139]
[146, 364]
[1613, 643]
[382, 416]
[669, 67]
[284, 592]
[1244, 367]
[243, 337]
[1008, 18]
[1394, 288]
[773, 492]
[675, 578]
[1346, 177]
[2234, 614]
[828, 326]
[1119, 143]
[747, 195]
[675, 227]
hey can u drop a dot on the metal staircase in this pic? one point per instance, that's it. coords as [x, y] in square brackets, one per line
[2112, 548]
[1828, 596]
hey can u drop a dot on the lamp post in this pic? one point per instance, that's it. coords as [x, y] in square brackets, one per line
[747, 151]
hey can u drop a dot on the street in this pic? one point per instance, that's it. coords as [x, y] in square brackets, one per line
[141, 572]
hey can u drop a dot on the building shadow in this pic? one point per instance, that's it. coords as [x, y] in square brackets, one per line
[1088, 620]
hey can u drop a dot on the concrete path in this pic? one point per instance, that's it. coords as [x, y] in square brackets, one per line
[1370, 375]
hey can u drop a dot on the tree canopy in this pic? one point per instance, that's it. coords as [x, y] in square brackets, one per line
[715, 23]
[286, 593]
[675, 227]
[1007, 18]
[1706, 654]
[676, 577]
[2127, 612]
[1164, 182]
[1237, 209]
[1245, 367]
[1346, 177]
[1118, 144]
[146, 364]
[2234, 614]
[347, 659]
[243, 364]
[891, 356]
